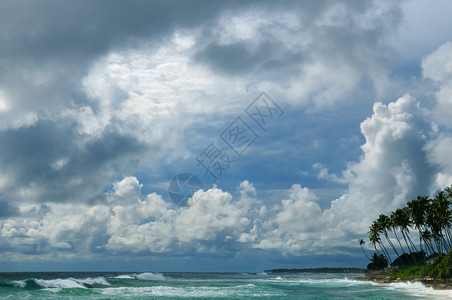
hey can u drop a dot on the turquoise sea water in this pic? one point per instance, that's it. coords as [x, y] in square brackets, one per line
[204, 286]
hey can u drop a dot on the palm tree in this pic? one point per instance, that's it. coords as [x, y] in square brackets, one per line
[361, 242]
[431, 217]
[438, 218]
[407, 224]
[417, 209]
[448, 192]
[403, 222]
[427, 236]
[378, 262]
[374, 238]
[445, 218]
[384, 223]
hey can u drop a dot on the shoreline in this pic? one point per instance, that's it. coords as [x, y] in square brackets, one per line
[384, 277]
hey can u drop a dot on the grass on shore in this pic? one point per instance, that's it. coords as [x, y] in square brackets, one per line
[440, 268]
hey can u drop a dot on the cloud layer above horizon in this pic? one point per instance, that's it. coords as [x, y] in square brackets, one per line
[101, 105]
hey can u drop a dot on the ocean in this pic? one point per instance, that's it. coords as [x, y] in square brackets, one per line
[205, 286]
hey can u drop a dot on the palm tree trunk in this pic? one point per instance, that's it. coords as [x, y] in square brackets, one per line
[362, 249]
[449, 237]
[406, 242]
[398, 240]
[411, 242]
[385, 251]
[391, 244]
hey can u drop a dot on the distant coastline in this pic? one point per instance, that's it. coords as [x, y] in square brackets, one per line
[317, 270]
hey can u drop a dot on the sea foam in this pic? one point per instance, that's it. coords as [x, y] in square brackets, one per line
[143, 276]
[59, 283]
[150, 276]
[69, 283]
[93, 281]
[124, 277]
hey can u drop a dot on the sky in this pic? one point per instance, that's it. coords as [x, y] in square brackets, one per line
[297, 122]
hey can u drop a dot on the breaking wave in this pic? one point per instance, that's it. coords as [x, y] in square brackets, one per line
[143, 276]
[60, 283]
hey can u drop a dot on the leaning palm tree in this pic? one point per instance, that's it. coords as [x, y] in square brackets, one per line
[403, 221]
[384, 224]
[361, 242]
[417, 210]
[374, 238]
[437, 220]
[444, 218]
[382, 227]
[407, 224]
[427, 236]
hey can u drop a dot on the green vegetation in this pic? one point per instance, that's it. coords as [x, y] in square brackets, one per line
[413, 272]
[378, 262]
[430, 219]
[441, 267]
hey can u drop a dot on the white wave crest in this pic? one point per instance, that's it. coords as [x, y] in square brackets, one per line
[150, 276]
[59, 283]
[419, 289]
[143, 276]
[70, 283]
[124, 277]
[92, 281]
[408, 285]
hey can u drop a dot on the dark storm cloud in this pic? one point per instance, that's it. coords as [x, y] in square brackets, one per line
[43, 30]
[30, 155]
[235, 59]
[6, 210]
[82, 29]
[326, 33]
[46, 49]
[47, 46]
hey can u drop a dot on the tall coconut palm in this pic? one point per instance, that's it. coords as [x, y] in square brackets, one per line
[444, 218]
[383, 225]
[431, 217]
[361, 242]
[417, 209]
[407, 225]
[404, 222]
[374, 237]
[437, 220]
[427, 236]
[400, 220]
